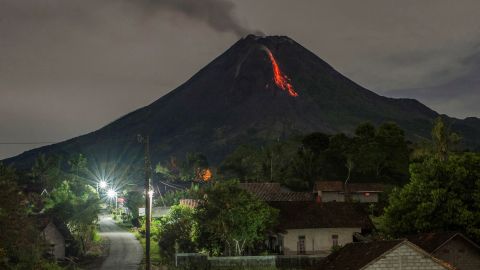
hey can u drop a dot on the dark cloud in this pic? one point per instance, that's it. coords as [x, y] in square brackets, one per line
[456, 97]
[218, 14]
[68, 67]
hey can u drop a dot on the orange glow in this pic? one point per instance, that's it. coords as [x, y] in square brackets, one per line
[206, 174]
[279, 78]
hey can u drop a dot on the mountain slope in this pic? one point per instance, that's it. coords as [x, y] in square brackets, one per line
[259, 89]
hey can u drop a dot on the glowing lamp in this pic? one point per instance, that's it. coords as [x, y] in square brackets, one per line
[103, 184]
[111, 193]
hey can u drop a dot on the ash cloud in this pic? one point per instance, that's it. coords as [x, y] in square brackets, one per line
[217, 14]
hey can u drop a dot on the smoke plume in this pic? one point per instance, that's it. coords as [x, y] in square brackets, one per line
[218, 14]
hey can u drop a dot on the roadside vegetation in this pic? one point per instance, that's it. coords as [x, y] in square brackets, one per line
[52, 191]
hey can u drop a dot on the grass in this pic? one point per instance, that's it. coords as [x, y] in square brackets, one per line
[155, 258]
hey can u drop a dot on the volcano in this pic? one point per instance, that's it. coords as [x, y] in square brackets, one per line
[261, 88]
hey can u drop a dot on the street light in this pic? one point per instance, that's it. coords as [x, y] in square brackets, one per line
[112, 194]
[102, 184]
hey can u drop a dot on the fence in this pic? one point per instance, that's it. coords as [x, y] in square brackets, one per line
[201, 262]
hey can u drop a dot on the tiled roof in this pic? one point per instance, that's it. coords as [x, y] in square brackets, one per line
[329, 186]
[273, 192]
[303, 215]
[366, 187]
[193, 203]
[353, 187]
[354, 256]
[432, 241]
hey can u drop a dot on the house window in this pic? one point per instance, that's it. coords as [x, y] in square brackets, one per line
[301, 244]
[335, 240]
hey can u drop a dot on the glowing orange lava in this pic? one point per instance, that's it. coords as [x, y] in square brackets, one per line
[206, 174]
[280, 79]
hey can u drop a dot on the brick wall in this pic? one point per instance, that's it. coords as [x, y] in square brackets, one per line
[405, 257]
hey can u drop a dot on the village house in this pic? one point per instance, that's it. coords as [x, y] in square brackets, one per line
[56, 236]
[274, 192]
[382, 255]
[316, 228]
[451, 247]
[334, 191]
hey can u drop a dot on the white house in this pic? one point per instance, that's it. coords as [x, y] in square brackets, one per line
[314, 228]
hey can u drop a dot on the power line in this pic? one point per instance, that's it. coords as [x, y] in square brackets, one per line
[20, 143]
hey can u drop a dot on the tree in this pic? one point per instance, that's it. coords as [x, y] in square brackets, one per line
[177, 232]
[442, 195]
[443, 139]
[75, 203]
[230, 220]
[20, 243]
[134, 200]
[45, 173]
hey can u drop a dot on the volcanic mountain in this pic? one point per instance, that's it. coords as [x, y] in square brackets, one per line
[261, 88]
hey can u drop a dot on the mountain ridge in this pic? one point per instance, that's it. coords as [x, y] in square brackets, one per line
[235, 99]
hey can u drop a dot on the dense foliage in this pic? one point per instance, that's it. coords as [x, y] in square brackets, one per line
[300, 161]
[228, 221]
[20, 243]
[177, 232]
[442, 195]
[47, 193]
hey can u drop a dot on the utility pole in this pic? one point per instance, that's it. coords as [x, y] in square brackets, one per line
[148, 198]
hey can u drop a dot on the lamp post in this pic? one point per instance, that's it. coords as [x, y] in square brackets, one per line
[148, 198]
[113, 194]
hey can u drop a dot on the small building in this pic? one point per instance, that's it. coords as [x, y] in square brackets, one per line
[274, 192]
[56, 235]
[382, 255]
[314, 228]
[451, 247]
[335, 191]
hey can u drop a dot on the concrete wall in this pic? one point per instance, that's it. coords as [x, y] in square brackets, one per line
[405, 257]
[53, 236]
[336, 196]
[199, 261]
[317, 241]
[459, 253]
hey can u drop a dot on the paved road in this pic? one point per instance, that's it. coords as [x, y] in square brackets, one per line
[125, 252]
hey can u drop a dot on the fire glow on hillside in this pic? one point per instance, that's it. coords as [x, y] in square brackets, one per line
[280, 79]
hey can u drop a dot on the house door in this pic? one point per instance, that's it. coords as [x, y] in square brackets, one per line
[335, 240]
[301, 244]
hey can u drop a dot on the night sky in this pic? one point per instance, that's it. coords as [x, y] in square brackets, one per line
[68, 67]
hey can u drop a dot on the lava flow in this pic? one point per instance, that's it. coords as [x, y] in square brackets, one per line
[279, 78]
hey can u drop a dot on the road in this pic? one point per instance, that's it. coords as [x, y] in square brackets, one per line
[125, 252]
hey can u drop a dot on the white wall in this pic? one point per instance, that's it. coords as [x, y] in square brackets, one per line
[317, 240]
[332, 196]
[361, 197]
